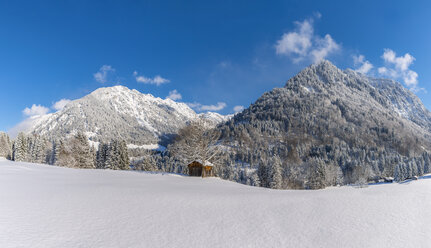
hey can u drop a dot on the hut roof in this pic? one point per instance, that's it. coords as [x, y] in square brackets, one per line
[204, 163]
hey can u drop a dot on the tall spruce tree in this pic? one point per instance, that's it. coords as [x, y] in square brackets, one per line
[102, 156]
[82, 151]
[275, 173]
[124, 156]
[20, 148]
[5, 145]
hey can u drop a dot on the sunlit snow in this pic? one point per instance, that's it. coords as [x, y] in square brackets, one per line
[46, 206]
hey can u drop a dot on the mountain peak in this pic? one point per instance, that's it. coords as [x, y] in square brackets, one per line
[324, 64]
[325, 67]
[325, 78]
[321, 72]
[117, 111]
[111, 89]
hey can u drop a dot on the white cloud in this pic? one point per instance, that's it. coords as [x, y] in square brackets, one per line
[157, 80]
[398, 68]
[297, 42]
[323, 47]
[60, 104]
[362, 65]
[35, 114]
[199, 107]
[402, 63]
[102, 75]
[411, 78]
[174, 95]
[25, 126]
[304, 44]
[35, 110]
[238, 108]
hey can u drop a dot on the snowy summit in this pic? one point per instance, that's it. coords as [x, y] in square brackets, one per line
[112, 112]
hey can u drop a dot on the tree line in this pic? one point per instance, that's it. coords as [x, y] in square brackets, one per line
[74, 152]
[262, 165]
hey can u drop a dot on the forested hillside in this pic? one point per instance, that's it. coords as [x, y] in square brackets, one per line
[328, 127]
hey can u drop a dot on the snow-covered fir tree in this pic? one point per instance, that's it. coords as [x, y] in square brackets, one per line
[76, 152]
[5, 145]
[117, 157]
[20, 148]
[275, 173]
[102, 155]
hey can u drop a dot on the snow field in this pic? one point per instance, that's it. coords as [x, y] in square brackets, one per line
[46, 206]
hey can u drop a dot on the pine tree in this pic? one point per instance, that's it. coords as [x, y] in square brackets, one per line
[117, 157]
[20, 148]
[262, 173]
[317, 177]
[102, 156]
[54, 152]
[112, 160]
[93, 153]
[37, 149]
[254, 179]
[398, 174]
[275, 173]
[124, 162]
[427, 163]
[82, 151]
[5, 145]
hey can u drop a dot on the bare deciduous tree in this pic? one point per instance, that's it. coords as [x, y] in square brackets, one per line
[196, 142]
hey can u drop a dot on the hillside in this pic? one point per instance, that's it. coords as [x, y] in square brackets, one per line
[47, 206]
[337, 126]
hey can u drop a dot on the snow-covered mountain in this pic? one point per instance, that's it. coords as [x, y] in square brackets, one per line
[213, 118]
[343, 124]
[397, 98]
[119, 112]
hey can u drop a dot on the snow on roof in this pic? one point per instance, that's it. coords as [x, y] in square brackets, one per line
[204, 163]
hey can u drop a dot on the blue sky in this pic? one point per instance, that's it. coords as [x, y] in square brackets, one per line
[216, 55]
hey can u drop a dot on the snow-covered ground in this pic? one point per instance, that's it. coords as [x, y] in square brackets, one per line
[45, 206]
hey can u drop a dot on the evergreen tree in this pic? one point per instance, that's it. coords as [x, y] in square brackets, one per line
[254, 179]
[5, 145]
[317, 177]
[124, 156]
[102, 155]
[75, 152]
[20, 148]
[398, 173]
[54, 152]
[262, 173]
[112, 160]
[82, 151]
[275, 173]
[117, 156]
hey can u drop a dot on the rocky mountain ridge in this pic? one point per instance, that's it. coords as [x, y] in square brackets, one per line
[118, 112]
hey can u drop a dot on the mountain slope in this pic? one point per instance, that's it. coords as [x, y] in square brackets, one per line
[118, 112]
[341, 124]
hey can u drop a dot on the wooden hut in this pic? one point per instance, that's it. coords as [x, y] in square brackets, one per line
[200, 169]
